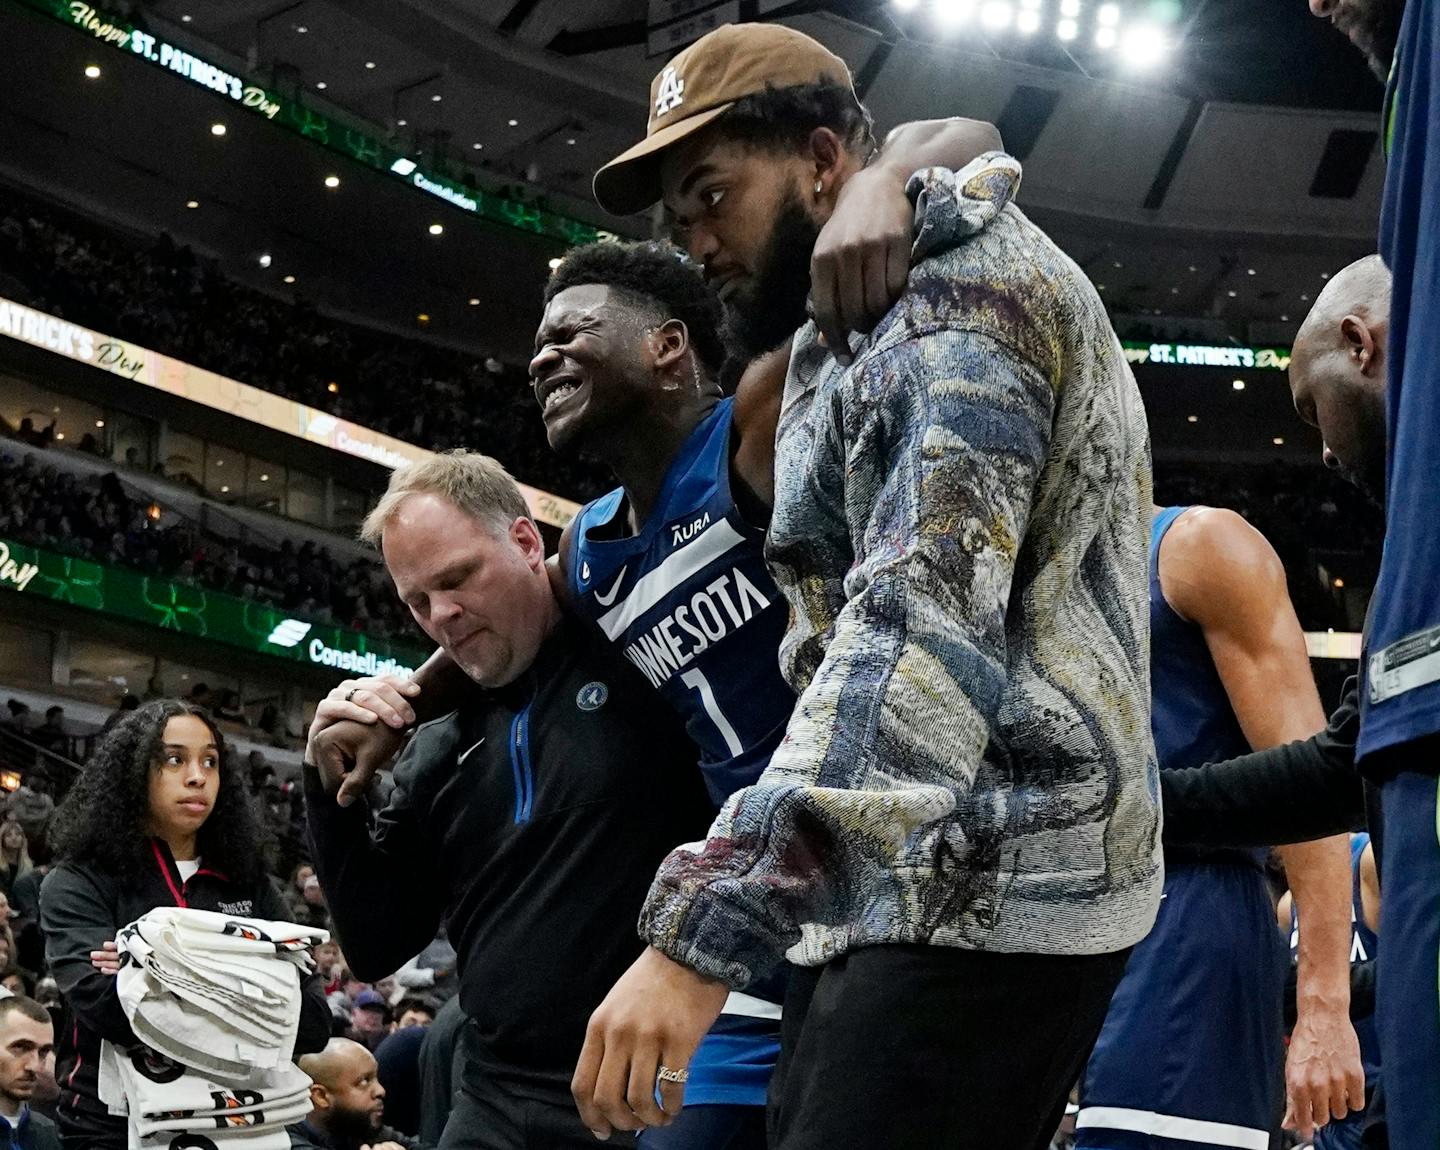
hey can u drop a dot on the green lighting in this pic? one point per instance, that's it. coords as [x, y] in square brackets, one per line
[292, 114]
[201, 614]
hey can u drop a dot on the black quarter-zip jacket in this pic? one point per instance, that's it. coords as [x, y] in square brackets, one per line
[532, 821]
[81, 907]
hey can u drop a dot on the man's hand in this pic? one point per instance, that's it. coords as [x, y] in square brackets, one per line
[357, 730]
[1324, 1078]
[385, 699]
[348, 754]
[862, 258]
[654, 1016]
[382, 1146]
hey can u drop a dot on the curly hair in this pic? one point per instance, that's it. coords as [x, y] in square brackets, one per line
[102, 820]
[781, 119]
[654, 276]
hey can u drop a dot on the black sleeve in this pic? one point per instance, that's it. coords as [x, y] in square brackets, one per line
[78, 916]
[1294, 793]
[314, 1029]
[385, 892]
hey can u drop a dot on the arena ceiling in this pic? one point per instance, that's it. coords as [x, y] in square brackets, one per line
[1202, 194]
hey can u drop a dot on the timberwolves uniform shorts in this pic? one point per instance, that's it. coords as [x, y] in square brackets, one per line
[1192, 1051]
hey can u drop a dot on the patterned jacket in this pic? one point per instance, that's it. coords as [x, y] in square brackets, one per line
[961, 527]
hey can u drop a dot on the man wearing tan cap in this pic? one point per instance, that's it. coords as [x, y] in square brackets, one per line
[958, 838]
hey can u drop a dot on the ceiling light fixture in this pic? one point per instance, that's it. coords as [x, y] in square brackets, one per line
[1067, 29]
[1144, 46]
[1278, 441]
[289, 279]
[1109, 15]
[301, 29]
[570, 140]
[192, 203]
[332, 387]
[436, 229]
[996, 15]
[265, 260]
[477, 147]
[217, 129]
[402, 123]
[1238, 385]
[370, 64]
[1070, 8]
[185, 19]
[1105, 37]
[332, 181]
[99, 423]
[907, 5]
[513, 123]
[1231, 294]
[92, 71]
[1028, 21]
[1192, 419]
[474, 302]
[554, 262]
[952, 13]
[264, 478]
[435, 99]
[321, 85]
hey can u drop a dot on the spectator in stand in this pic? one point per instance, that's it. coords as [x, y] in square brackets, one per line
[311, 909]
[330, 966]
[52, 734]
[31, 806]
[349, 1103]
[15, 860]
[27, 1043]
[167, 299]
[23, 910]
[16, 981]
[413, 1012]
[128, 703]
[369, 1018]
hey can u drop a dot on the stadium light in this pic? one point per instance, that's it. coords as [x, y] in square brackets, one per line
[1105, 37]
[1067, 29]
[996, 15]
[1145, 46]
[1070, 9]
[951, 14]
[1028, 21]
[436, 229]
[1109, 15]
[907, 5]
[1238, 385]
[92, 71]
[217, 129]
[265, 260]
[332, 181]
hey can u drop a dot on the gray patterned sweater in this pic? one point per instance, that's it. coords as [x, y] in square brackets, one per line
[961, 523]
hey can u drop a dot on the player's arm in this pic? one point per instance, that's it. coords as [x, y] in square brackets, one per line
[757, 412]
[1220, 573]
[1370, 887]
[862, 256]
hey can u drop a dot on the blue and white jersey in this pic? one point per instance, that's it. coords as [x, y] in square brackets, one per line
[691, 603]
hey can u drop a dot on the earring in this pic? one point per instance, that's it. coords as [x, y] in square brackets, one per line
[819, 186]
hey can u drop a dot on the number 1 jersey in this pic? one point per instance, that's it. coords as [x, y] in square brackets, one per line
[690, 602]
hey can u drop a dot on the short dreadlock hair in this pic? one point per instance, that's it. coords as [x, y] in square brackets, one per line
[655, 277]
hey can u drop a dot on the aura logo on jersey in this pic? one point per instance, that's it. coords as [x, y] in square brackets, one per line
[713, 612]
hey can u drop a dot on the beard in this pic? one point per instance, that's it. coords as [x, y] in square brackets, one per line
[352, 1128]
[1374, 27]
[764, 313]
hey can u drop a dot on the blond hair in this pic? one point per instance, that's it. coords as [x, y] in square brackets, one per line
[474, 483]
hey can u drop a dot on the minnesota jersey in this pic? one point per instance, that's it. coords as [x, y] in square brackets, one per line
[690, 602]
[1191, 1053]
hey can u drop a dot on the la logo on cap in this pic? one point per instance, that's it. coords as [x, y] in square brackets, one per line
[672, 91]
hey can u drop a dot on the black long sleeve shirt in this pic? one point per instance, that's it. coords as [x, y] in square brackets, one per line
[533, 821]
[1292, 793]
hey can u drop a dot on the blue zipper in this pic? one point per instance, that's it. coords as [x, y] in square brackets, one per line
[520, 768]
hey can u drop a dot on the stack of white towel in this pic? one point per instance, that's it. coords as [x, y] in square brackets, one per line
[215, 1001]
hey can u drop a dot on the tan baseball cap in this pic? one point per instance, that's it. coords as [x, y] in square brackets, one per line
[699, 86]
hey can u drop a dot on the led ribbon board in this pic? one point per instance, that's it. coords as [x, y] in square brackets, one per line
[200, 613]
[219, 393]
[290, 112]
[1208, 355]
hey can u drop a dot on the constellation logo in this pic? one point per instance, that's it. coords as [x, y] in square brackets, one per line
[288, 632]
[361, 662]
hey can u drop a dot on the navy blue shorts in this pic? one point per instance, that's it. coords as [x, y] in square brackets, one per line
[1407, 1010]
[1192, 1052]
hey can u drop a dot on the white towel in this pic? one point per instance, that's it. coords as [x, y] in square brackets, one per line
[215, 1001]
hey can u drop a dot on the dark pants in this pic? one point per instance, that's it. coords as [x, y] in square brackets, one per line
[931, 1047]
[490, 1114]
[710, 1127]
[1407, 1007]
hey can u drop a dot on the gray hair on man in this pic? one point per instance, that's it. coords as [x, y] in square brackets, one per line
[474, 483]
